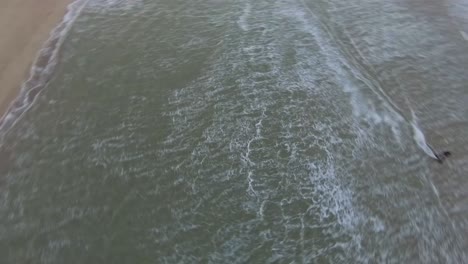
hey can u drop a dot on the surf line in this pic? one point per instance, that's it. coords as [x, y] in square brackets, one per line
[42, 68]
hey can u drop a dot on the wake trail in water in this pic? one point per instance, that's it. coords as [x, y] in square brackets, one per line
[359, 70]
[419, 137]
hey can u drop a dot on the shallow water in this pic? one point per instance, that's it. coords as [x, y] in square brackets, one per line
[247, 131]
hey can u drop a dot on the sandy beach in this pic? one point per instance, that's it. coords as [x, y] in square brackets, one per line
[24, 26]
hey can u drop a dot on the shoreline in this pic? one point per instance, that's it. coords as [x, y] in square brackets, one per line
[26, 26]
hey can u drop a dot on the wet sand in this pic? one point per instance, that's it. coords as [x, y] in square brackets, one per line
[24, 26]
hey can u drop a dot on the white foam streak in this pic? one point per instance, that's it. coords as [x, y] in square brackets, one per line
[334, 198]
[464, 35]
[242, 22]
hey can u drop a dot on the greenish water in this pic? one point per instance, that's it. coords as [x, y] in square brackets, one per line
[215, 131]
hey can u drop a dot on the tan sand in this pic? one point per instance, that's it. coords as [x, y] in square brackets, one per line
[24, 26]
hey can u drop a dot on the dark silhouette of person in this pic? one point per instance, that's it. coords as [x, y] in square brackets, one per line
[442, 156]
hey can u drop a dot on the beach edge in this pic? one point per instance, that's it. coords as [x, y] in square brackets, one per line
[25, 74]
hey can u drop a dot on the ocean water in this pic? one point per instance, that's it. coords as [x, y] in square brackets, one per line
[216, 131]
